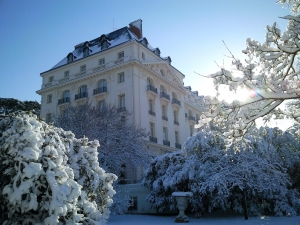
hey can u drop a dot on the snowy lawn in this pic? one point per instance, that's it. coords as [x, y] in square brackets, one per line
[215, 218]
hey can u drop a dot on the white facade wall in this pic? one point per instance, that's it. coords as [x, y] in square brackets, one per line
[138, 65]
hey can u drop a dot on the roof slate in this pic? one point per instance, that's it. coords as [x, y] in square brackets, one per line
[114, 38]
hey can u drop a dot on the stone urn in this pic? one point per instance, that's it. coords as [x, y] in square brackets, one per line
[182, 200]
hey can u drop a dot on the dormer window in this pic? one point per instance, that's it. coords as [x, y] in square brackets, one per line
[86, 52]
[70, 57]
[157, 52]
[104, 44]
[145, 42]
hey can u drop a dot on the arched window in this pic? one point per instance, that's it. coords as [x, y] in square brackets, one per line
[83, 91]
[66, 96]
[102, 86]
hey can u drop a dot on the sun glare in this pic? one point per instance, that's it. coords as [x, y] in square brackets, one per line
[240, 95]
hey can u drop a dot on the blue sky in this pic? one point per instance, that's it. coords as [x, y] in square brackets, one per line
[35, 35]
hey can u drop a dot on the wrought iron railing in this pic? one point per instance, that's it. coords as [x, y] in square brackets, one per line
[152, 139]
[176, 101]
[99, 90]
[164, 95]
[151, 112]
[151, 88]
[167, 143]
[63, 100]
[81, 95]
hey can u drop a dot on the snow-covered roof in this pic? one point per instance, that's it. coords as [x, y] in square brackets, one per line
[114, 38]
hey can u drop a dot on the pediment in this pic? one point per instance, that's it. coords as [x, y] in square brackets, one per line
[168, 72]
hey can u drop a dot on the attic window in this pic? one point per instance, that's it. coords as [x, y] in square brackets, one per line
[86, 52]
[120, 55]
[143, 55]
[162, 72]
[104, 44]
[70, 57]
[51, 79]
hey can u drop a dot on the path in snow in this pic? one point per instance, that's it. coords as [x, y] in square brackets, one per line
[208, 219]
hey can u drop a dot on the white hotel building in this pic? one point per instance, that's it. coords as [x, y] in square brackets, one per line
[121, 68]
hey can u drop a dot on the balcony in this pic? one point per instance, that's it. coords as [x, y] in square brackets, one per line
[81, 95]
[176, 122]
[164, 95]
[165, 118]
[63, 101]
[192, 118]
[176, 101]
[153, 139]
[177, 145]
[151, 112]
[167, 143]
[151, 88]
[121, 109]
[99, 90]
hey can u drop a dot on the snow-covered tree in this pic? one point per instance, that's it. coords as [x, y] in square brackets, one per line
[50, 177]
[270, 75]
[219, 176]
[9, 105]
[120, 142]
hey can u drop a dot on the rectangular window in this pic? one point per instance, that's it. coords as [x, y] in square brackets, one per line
[48, 117]
[150, 105]
[51, 79]
[176, 137]
[121, 77]
[120, 55]
[49, 99]
[101, 62]
[152, 129]
[122, 101]
[83, 68]
[67, 73]
[165, 134]
[102, 105]
[163, 108]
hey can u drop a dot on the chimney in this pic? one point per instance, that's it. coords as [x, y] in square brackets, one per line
[136, 28]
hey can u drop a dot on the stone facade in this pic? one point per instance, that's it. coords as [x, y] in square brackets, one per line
[122, 69]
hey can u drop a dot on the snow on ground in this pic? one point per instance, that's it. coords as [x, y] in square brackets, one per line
[219, 218]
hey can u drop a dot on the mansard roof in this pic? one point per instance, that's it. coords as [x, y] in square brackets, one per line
[114, 38]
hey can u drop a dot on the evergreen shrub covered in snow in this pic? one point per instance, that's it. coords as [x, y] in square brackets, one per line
[218, 176]
[48, 176]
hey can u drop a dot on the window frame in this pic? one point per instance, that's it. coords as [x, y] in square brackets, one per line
[67, 73]
[121, 55]
[121, 77]
[83, 68]
[122, 103]
[51, 79]
[100, 62]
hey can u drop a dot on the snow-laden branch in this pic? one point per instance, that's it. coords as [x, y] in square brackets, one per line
[271, 74]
